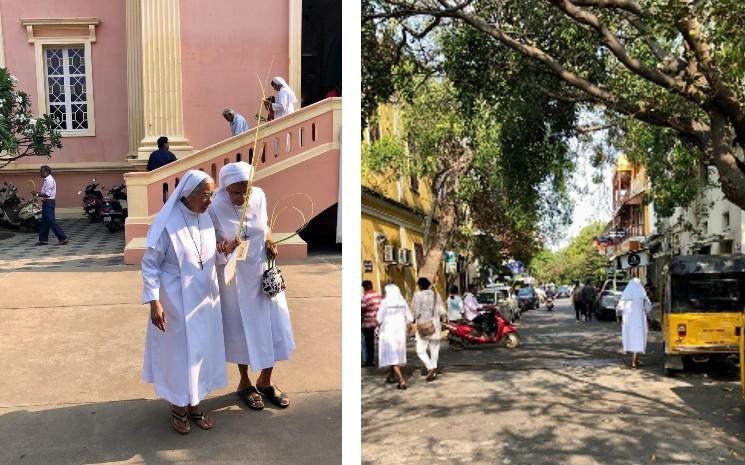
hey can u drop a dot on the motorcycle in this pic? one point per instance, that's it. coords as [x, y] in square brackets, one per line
[550, 304]
[462, 335]
[15, 212]
[92, 201]
[114, 208]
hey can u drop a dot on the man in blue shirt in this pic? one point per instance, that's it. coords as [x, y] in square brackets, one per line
[238, 123]
[162, 156]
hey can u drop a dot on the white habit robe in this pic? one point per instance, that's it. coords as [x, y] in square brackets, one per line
[634, 306]
[393, 316]
[187, 361]
[257, 328]
[284, 104]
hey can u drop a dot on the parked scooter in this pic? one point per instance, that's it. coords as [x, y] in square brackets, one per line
[462, 335]
[92, 199]
[15, 212]
[114, 208]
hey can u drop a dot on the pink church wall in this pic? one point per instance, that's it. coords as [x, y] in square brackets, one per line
[109, 59]
[223, 49]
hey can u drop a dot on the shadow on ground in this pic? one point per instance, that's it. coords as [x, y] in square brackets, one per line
[138, 431]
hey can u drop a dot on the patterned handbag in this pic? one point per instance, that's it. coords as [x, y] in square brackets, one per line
[272, 282]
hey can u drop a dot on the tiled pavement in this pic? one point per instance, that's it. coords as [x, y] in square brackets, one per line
[91, 244]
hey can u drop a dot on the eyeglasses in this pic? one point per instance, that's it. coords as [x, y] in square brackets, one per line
[208, 195]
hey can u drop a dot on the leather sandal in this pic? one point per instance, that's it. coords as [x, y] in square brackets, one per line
[201, 420]
[252, 398]
[184, 419]
[282, 400]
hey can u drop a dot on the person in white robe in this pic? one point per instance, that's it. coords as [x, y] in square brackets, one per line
[284, 103]
[257, 328]
[426, 305]
[184, 351]
[633, 308]
[393, 319]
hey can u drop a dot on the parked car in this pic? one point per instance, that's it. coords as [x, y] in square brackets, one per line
[527, 299]
[608, 297]
[504, 299]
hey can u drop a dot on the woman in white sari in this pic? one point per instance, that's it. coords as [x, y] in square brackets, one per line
[633, 307]
[393, 318]
[257, 328]
[184, 352]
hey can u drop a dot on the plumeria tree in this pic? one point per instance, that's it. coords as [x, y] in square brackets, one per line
[21, 133]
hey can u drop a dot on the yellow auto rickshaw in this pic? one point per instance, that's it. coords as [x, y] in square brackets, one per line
[702, 300]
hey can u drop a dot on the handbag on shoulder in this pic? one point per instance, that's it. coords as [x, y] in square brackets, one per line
[427, 329]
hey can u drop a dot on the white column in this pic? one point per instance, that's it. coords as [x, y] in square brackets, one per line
[161, 77]
[134, 76]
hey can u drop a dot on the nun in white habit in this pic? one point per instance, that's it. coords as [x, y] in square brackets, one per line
[257, 328]
[393, 318]
[633, 307]
[184, 351]
[284, 103]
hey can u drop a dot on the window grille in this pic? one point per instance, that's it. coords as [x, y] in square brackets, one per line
[67, 88]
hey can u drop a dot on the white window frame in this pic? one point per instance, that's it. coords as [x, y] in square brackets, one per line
[40, 46]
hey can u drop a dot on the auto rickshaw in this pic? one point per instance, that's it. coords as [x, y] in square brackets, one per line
[702, 300]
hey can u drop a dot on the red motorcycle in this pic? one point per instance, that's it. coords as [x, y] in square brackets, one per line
[462, 335]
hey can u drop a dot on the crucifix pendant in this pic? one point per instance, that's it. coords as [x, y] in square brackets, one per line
[201, 264]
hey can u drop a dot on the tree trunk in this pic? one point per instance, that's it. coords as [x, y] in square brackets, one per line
[731, 176]
[448, 209]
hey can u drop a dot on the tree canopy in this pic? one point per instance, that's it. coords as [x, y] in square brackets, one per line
[22, 135]
[575, 262]
[666, 75]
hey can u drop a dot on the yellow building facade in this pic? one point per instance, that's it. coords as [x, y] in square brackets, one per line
[394, 210]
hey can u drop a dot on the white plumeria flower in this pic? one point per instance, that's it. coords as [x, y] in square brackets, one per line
[2, 102]
[21, 118]
[32, 121]
[19, 99]
[13, 78]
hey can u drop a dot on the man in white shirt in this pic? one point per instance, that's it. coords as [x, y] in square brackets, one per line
[238, 123]
[472, 308]
[48, 194]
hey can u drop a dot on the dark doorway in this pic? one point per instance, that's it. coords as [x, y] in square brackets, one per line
[321, 50]
[320, 234]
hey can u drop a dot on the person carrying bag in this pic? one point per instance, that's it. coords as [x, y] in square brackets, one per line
[427, 306]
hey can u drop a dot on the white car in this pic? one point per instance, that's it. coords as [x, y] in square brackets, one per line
[504, 298]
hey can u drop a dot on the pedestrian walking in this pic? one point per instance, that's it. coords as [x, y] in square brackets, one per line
[393, 319]
[257, 328]
[633, 308]
[577, 302]
[284, 103]
[48, 196]
[455, 305]
[426, 305]
[238, 123]
[184, 349]
[162, 156]
[370, 305]
[588, 296]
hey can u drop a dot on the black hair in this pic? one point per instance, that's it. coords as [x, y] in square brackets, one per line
[367, 285]
[46, 168]
[453, 289]
[162, 140]
[423, 283]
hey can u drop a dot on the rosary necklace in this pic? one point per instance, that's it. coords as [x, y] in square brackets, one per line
[199, 248]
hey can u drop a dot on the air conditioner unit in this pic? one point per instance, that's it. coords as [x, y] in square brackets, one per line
[390, 254]
[404, 257]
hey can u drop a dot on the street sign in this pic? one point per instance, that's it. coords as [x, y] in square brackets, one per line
[634, 260]
[368, 265]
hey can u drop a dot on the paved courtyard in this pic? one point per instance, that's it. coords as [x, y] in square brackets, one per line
[72, 342]
[91, 245]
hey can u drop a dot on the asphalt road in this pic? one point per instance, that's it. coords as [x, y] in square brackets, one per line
[566, 396]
